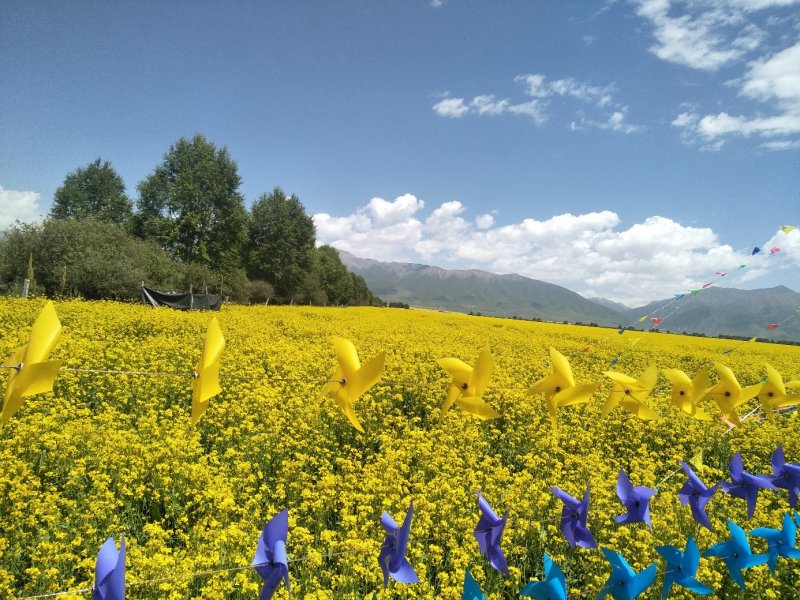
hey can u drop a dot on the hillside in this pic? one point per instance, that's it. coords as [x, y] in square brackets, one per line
[475, 291]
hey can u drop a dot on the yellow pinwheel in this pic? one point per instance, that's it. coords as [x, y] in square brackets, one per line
[772, 394]
[468, 385]
[630, 393]
[686, 393]
[559, 387]
[31, 372]
[729, 395]
[351, 378]
[205, 384]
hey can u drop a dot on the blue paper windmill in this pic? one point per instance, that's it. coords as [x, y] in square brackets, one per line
[745, 485]
[636, 501]
[488, 532]
[109, 578]
[736, 554]
[270, 560]
[472, 590]
[695, 493]
[392, 557]
[682, 568]
[573, 519]
[780, 542]
[624, 583]
[786, 475]
[552, 587]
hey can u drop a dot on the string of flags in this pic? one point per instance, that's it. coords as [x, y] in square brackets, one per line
[271, 560]
[31, 373]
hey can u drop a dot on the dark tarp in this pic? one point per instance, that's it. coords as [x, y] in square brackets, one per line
[181, 300]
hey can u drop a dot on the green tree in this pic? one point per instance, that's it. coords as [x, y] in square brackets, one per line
[191, 207]
[334, 276]
[87, 258]
[95, 191]
[281, 245]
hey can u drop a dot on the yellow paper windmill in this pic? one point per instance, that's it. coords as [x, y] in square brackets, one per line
[729, 395]
[686, 393]
[351, 378]
[205, 384]
[559, 387]
[32, 373]
[773, 396]
[468, 385]
[630, 393]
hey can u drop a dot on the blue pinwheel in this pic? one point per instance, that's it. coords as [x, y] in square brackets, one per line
[636, 501]
[552, 587]
[695, 493]
[109, 574]
[488, 533]
[682, 568]
[270, 560]
[624, 583]
[786, 475]
[736, 554]
[573, 519]
[745, 485]
[472, 590]
[779, 542]
[392, 557]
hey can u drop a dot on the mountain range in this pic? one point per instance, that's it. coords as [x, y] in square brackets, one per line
[714, 312]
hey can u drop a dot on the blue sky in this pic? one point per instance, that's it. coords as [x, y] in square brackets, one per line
[628, 149]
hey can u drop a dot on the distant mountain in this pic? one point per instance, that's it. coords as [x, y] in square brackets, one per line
[617, 306]
[477, 291]
[727, 311]
[715, 311]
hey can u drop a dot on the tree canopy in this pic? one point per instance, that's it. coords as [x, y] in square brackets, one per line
[281, 245]
[94, 191]
[191, 206]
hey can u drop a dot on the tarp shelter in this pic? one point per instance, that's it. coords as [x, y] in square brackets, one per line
[181, 300]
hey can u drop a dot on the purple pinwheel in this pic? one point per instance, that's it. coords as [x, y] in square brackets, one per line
[270, 560]
[636, 500]
[736, 554]
[779, 542]
[573, 519]
[786, 475]
[745, 485]
[488, 533]
[393, 551]
[109, 574]
[695, 493]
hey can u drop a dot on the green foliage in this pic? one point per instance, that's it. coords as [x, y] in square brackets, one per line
[191, 207]
[281, 246]
[260, 292]
[95, 191]
[88, 258]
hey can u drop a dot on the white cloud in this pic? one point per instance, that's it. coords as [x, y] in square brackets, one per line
[14, 205]
[484, 221]
[702, 34]
[774, 80]
[615, 122]
[542, 92]
[454, 108]
[588, 253]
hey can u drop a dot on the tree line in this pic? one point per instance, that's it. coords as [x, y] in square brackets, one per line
[188, 229]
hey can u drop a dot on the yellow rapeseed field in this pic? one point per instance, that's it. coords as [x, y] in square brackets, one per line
[106, 454]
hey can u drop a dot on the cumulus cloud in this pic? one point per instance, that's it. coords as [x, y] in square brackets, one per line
[542, 92]
[589, 253]
[18, 206]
